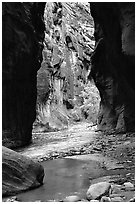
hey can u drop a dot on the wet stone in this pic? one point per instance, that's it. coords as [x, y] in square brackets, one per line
[97, 190]
[116, 199]
[105, 199]
[116, 195]
[84, 200]
[73, 198]
[132, 200]
[128, 185]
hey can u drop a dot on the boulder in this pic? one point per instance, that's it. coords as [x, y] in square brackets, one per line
[105, 199]
[97, 190]
[128, 185]
[73, 198]
[19, 173]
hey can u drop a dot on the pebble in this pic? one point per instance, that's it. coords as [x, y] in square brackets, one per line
[128, 188]
[105, 199]
[116, 195]
[132, 200]
[97, 190]
[128, 185]
[83, 200]
[116, 199]
[12, 199]
[73, 198]
[127, 143]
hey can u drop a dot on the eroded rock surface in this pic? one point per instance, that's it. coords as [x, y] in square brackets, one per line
[64, 93]
[22, 37]
[19, 173]
[113, 63]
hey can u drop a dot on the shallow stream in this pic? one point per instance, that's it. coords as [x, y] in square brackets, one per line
[65, 177]
[71, 175]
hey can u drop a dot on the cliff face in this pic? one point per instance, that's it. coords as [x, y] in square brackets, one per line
[113, 63]
[68, 45]
[22, 37]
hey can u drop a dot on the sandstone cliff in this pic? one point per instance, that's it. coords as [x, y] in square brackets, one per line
[68, 45]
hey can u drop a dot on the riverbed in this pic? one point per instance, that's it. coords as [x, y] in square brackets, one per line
[73, 159]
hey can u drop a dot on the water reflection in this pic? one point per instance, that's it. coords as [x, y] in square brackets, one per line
[64, 177]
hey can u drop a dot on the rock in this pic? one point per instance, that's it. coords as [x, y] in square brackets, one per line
[116, 195]
[127, 143]
[105, 199]
[94, 200]
[116, 199]
[19, 173]
[132, 200]
[12, 199]
[97, 190]
[83, 200]
[116, 189]
[73, 198]
[128, 185]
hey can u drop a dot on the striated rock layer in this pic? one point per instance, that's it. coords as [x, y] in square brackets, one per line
[22, 38]
[113, 63]
[19, 173]
[68, 45]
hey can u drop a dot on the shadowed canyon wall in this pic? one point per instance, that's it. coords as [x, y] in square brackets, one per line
[22, 38]
[113, 64]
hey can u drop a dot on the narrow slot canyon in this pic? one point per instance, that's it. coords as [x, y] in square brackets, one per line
[68, 102]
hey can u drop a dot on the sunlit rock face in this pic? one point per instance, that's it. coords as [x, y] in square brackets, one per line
[113, 63]
[22, 37]
[68, 45]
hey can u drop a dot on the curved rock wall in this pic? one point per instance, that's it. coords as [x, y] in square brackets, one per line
[22, 38]
[113, 63]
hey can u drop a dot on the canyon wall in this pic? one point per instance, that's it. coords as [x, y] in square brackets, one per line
[113, 64]
[22, 38]
[68, 45]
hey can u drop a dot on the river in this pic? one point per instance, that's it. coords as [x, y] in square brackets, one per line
[70, 163]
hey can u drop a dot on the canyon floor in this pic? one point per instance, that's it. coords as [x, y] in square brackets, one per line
[78, 157]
